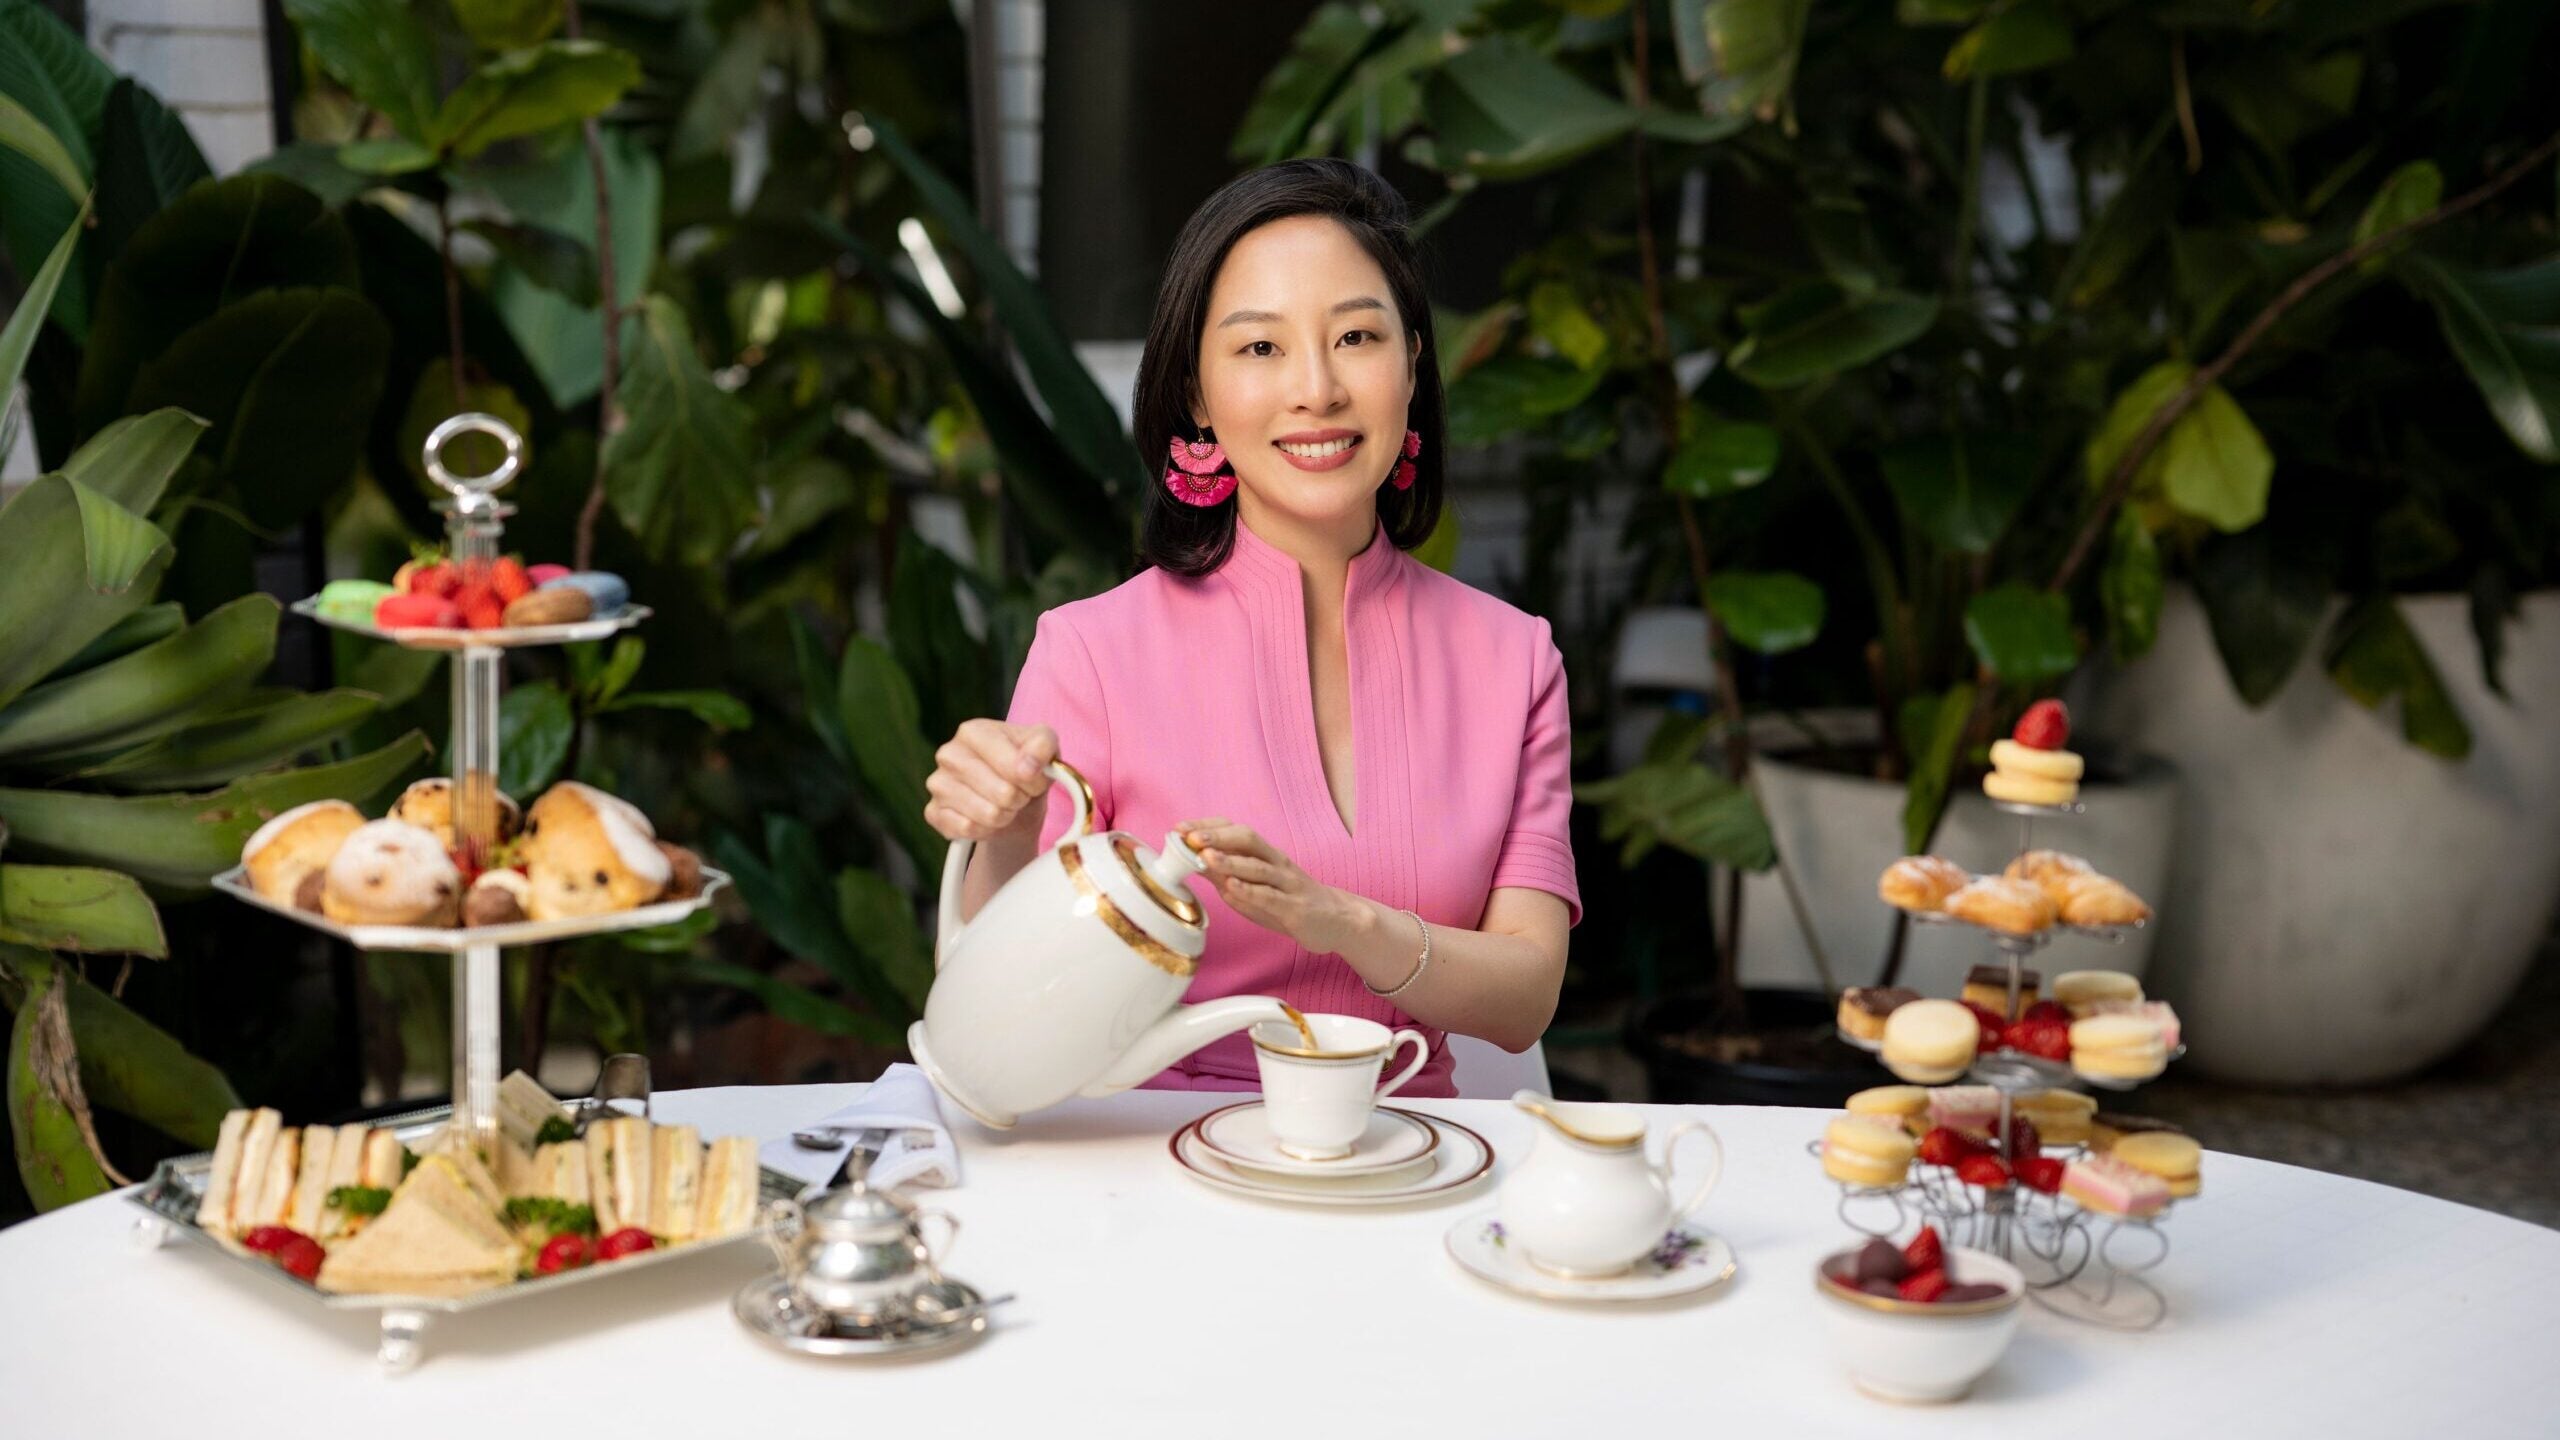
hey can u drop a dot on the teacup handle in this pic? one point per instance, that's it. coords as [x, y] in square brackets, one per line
[1715, 1171]
[1421, 1057]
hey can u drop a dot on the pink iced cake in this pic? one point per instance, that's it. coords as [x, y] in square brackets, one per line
[1974, 1108]
[2100, 1183]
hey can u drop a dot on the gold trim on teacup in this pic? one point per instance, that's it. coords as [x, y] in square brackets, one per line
[1154, 951]
[1295, 1053]
[1936, 1309]
[1180, 905]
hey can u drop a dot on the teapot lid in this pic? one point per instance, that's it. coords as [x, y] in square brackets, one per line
[1141, 896]
[857, 1211]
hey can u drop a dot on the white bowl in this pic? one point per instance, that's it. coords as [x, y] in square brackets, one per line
[1903, 1351]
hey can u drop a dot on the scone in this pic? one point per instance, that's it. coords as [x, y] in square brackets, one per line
[1864, 1008]
[589, 853]
[1867, 1150]
[297, 844]
[2050, 871]
[1995, 902]
[429, 806]
[1920, 882]
[2097, 900]
[390, 872]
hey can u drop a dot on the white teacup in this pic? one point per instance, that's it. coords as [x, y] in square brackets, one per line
[1319, 1100]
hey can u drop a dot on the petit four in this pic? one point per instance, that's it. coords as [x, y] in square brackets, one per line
[2110, 1186]
[1864, 1008]
[2061, 1117]
[2106, 1127]
[1974, 1109]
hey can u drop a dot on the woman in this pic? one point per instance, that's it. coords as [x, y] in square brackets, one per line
[1370, 757]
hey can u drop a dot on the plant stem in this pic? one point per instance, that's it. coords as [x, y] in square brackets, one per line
[609, 417]
[452, 297]
[2120, 480]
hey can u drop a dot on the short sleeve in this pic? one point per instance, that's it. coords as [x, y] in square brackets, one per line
[1060, 688]
[1537, 848]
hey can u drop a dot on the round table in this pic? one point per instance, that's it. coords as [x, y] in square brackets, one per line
[2300, 1304]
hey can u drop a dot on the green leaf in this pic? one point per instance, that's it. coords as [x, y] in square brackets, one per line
[1504, 111]
[525, 92]
[21, 131]
[535, 724]
[562, 339]
[78, 559]
[602, 684]
[554, 261]
[53, 75]
[1772, 611]
[1685, 805]
[19, 335]
[133, 1067]
[791, 1002]
[146, 160]
[729, 95]
[2026, 36]
[678, 472]
[225, 743]
[1439, 549]
[1558, 317]
[1939, 12]
[507, 24]
[2374, 655]
[175, 844]
[927, 633]
[142, 627]
[2129, 587]
[2264, 601]
[1818, 328]
[1509, 393]
[2279, 98]
[2411, 191]
[891, 755]
[2021, 633]
[1740, 53]
[1318, 68]
[1718, 456]
[1960, 491]
[379, 49]
[146, 693]
[881, 921]
[818, 691]
[794, 899]
[72, 907]
[1932, 737]
[47, 1111]
[2504, 325]
[318, 168]
[130, 461]
[384, 157]
[716, 708]
[2212, 464]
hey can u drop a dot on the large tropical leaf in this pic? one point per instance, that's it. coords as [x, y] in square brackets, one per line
[52, 75]
[932, 642]
[1502, 110]
[78, 559]
[2022, 634]
[1932, 740]
[21, 131]
[2264, 598]
[2504, 325]
[1768, 611]
[146, 160]
[1681, 803]
[561, 338]
[1328, 50]
[2374, 656]
[176, 844]
[1741, 54]
[222, 743]
[76, 907]
[1961, 491]
[880, 919]
[130, 461]
[524, 92]
[48, 1113]
[793, 898]
[1818, 328]
[891, 755]
[1717, 456]
[19, 335]
[678, 474]
[2212, 464]
[146, 693]
[380, 49]
[131, 1066]
[791, 1002]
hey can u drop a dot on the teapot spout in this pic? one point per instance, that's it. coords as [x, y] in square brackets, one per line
[1187, 1029]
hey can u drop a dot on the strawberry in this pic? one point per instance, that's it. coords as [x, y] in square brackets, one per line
[2045, 726]
[1925, 1287]
[416, 611]
[1992, 1026]
[1942, 1146]
[267, 1239]
[2046, 1010]
[1926, 1251]
[2041, 1173]
[629, 1240]
[565, 1251]
[507, 577]
[2044, 1039]
[300, 1255]
[483, 610]
[2023, 1139]
[439, 579]
[1987, 1171]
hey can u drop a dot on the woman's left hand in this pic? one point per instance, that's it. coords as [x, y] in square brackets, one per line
[1267, 888]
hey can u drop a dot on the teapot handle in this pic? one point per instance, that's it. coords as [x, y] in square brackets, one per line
[1715, 1171]
[782, 1222]
[955, 861]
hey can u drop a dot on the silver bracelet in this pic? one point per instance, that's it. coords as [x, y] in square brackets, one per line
[1418, 966]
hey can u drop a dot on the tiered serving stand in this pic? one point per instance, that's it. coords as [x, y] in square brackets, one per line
[2085, 1264]
[474, 520]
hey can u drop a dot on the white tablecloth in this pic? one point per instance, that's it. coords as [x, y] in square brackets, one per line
[2301, 1304]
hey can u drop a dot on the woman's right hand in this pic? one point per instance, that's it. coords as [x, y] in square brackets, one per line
[987, 781]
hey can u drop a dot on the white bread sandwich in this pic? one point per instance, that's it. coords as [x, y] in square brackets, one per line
[560, 1173]
[730, 1178]
[620, 1173]
[274, 1205]
[523, 1106]
[436, 1238]
[346, 1172]
[213, 1212]
[676, 1187]
[311, 1181]
[385, 1162]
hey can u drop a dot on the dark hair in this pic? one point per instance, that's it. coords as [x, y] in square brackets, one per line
[1192, 540]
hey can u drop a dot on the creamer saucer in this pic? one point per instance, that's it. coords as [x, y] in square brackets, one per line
[1688, 1261]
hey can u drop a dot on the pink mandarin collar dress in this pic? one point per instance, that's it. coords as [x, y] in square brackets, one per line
[1180, 699]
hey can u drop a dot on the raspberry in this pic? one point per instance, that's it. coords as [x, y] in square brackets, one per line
[1986, 1171]
[1925, 1287]
[2045, 726]
[1926, 1251]
[2041, 1173]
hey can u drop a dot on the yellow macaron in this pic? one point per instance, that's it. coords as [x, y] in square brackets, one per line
[2076, 990]
[2011, 758]
[1905, 1105]
[2029, 789]
[2176, 1159]
[1871, 1150]
[2118, 1047]
[1930, 1042]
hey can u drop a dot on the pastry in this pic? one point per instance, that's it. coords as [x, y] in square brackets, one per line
[2117, 1047]
[2031, 767]
[1870, 1150]
[1904, 1105]
[1973, 1109]
[549, 605]
[2112, 1187]
[684, 872]
[1863, 1009]
[2107, 1127]
[1929, 1042]
[496, 898]
[298, 843]
[1921, 882]
[2098, 900]
[1988, 987]
[2077, 990]
[2155, 1011]
[2012, 907]
[588, 853]
[2061, 1117]
[391, 872]
[428, 805]
[2048, 870]
[2177, 1160]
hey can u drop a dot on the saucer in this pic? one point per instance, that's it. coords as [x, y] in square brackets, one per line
[1241, 1135]
[1462, 1158]
[766, 1309]
[1688, 1261]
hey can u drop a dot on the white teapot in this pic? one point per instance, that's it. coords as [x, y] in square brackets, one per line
[1069, 979]
[1586, 1203]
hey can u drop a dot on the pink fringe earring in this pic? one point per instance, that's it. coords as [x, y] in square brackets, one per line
[1405, 473]
[1198, 475]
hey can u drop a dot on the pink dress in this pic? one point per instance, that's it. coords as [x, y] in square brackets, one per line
[1180, 699]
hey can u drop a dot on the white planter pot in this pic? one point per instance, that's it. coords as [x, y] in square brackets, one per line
[2345, 907]
[1838, 832]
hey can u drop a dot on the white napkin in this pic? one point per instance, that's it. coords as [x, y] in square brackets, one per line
[902, 1098]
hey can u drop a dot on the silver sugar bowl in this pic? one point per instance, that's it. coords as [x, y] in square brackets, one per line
[857, 1255]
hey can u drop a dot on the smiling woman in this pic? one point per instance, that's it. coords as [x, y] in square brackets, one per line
[1385, 749]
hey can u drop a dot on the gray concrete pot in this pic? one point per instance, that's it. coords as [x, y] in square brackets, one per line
[2345, 908]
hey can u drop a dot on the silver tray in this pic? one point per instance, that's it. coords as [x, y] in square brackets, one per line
[509, 637]
[169, 1199]
[764, 1307]
[454, 939]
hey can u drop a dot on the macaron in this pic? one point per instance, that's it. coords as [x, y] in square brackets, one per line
[1904, 1105]
[2117, 1047]
[2176, 1159]
[1929, 1042]
[2076, 989]
[606, 592]
[1872, 1150]
[2020, 789]
[352, 599]
[2011, 758]
[2061, 1117]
